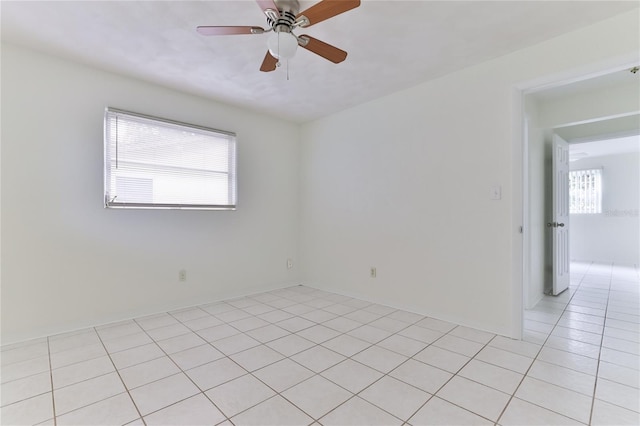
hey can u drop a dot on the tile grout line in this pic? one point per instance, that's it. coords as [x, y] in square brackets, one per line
[120, 377]
[409, 358]
[597, 360]
[526, 374]
[53, 399]
[280, 393]
[48, 370]
[224, 356]
[604, 323]
[341, 333]
[242, 332]
[353, 394]
[239, 332]
[320, 344]
[181, 371]
[416, 360]
[434, 394]
[261, 344]
[357, 394]
[25, 360]
[315, 323]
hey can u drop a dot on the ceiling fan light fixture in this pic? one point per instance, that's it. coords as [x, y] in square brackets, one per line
[282, 45]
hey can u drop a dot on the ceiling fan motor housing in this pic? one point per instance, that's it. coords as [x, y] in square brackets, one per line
[286, 16]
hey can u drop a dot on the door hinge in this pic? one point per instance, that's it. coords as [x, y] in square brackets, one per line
[521, 229]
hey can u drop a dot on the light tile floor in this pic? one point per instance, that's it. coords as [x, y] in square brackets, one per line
[304, 356]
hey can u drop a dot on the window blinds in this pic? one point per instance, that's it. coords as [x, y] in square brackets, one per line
[156, 163]
[585, 191]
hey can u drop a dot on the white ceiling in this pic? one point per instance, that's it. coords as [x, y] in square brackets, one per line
[629, 144]
[392, 45]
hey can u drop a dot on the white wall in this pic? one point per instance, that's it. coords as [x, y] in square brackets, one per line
[68, 263]
[614, 235]
[402, 183]
[614, 100]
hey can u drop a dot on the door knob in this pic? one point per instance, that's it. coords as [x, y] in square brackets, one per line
[555, 225]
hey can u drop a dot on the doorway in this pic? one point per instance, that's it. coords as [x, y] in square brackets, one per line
[584, 112]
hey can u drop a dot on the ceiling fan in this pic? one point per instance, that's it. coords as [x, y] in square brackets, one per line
[283, 16]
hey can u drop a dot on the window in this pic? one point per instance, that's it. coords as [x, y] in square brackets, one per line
[585, 191]
[156, 163]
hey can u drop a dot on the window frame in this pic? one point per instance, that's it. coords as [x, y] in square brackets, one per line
[231, 172]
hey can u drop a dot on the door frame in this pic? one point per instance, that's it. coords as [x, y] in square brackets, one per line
[520, 165]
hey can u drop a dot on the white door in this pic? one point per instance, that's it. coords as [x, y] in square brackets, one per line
[559, 225]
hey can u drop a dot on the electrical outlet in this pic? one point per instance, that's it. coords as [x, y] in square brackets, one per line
[182, 275]
[289, 263]
[373, 273]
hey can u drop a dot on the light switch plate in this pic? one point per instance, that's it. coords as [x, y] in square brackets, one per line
[495, 192]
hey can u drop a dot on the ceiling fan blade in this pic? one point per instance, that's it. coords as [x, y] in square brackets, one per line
[269, 63]
[324, 10]
[323, 49]
[208, 30]
[266, 5]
